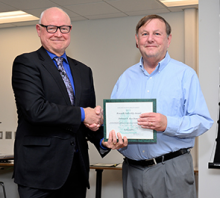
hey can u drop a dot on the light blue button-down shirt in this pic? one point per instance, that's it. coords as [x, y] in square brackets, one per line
[179, 97]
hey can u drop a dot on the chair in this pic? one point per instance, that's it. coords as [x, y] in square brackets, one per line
[3, 187]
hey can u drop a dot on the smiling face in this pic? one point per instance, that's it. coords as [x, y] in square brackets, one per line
[153, 41]
[57, 42]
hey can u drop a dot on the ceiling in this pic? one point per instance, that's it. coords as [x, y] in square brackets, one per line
[88, 9]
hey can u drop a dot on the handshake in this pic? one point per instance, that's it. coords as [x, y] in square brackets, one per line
[94, 119]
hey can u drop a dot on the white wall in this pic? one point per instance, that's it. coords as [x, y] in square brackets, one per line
[13, 42]
[209, 79]
[108, 47]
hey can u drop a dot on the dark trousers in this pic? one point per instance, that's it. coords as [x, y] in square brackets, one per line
[74, 187]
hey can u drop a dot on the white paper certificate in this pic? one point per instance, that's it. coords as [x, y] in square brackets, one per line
[121, 115]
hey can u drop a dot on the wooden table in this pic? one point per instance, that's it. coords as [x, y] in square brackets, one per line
[99, 169]
[10, 163]
[6, 161]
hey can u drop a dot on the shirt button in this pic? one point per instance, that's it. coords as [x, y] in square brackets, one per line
[143, 151]
[72, 143]
[148, 91]
[150, 77]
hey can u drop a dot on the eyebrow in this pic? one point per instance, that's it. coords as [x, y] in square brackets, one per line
[148, 31]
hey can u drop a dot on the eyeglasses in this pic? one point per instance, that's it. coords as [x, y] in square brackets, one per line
[53, 28]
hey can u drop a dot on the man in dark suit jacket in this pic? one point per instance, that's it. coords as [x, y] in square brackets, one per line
[51, 151]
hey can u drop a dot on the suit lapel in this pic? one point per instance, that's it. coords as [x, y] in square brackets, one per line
[52, 69]
[77, 80]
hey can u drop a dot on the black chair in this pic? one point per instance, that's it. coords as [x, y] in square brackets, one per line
[3, 187]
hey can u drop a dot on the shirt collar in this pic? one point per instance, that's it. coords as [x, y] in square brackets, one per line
[52, 56]
[161, 65]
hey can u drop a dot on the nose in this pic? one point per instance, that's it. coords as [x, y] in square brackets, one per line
[150, 38]
[58, 33]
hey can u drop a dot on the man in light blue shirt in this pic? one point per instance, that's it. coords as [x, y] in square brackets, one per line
[162, 169]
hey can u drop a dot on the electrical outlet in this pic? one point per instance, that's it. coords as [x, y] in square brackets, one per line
[1, 134]
[8, 135]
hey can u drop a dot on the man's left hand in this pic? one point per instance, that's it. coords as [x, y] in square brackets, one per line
[113, 143]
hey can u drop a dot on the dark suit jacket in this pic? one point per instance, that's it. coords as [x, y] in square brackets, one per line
[49, 127]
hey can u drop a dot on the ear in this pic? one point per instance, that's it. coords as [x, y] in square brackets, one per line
[136, 38]
[38, 29]
[169, 40]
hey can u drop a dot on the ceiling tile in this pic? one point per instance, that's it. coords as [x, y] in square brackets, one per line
[131, 5]
[34, 12]
[72, 2]
[89, 9]
[29, 4]
[105, 16]
[78, 18]
[6, 8]
[147, 12]
[37, 12]
[70, 13]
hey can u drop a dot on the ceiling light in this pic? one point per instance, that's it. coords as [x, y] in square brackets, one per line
[172, 3]
[16, 16]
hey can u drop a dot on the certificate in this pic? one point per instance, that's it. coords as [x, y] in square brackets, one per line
[121, 115]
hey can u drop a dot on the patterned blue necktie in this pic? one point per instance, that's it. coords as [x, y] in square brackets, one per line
[66, 80]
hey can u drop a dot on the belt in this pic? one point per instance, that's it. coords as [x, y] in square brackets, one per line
[156, 160]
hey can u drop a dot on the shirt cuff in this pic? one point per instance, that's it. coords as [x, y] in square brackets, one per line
[173, 124]
[103, 147]
[82, 114]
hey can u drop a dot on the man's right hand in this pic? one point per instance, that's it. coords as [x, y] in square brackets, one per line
[93, 118]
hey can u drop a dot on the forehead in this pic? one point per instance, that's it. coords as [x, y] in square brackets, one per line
[154, 24]
[55, 17]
